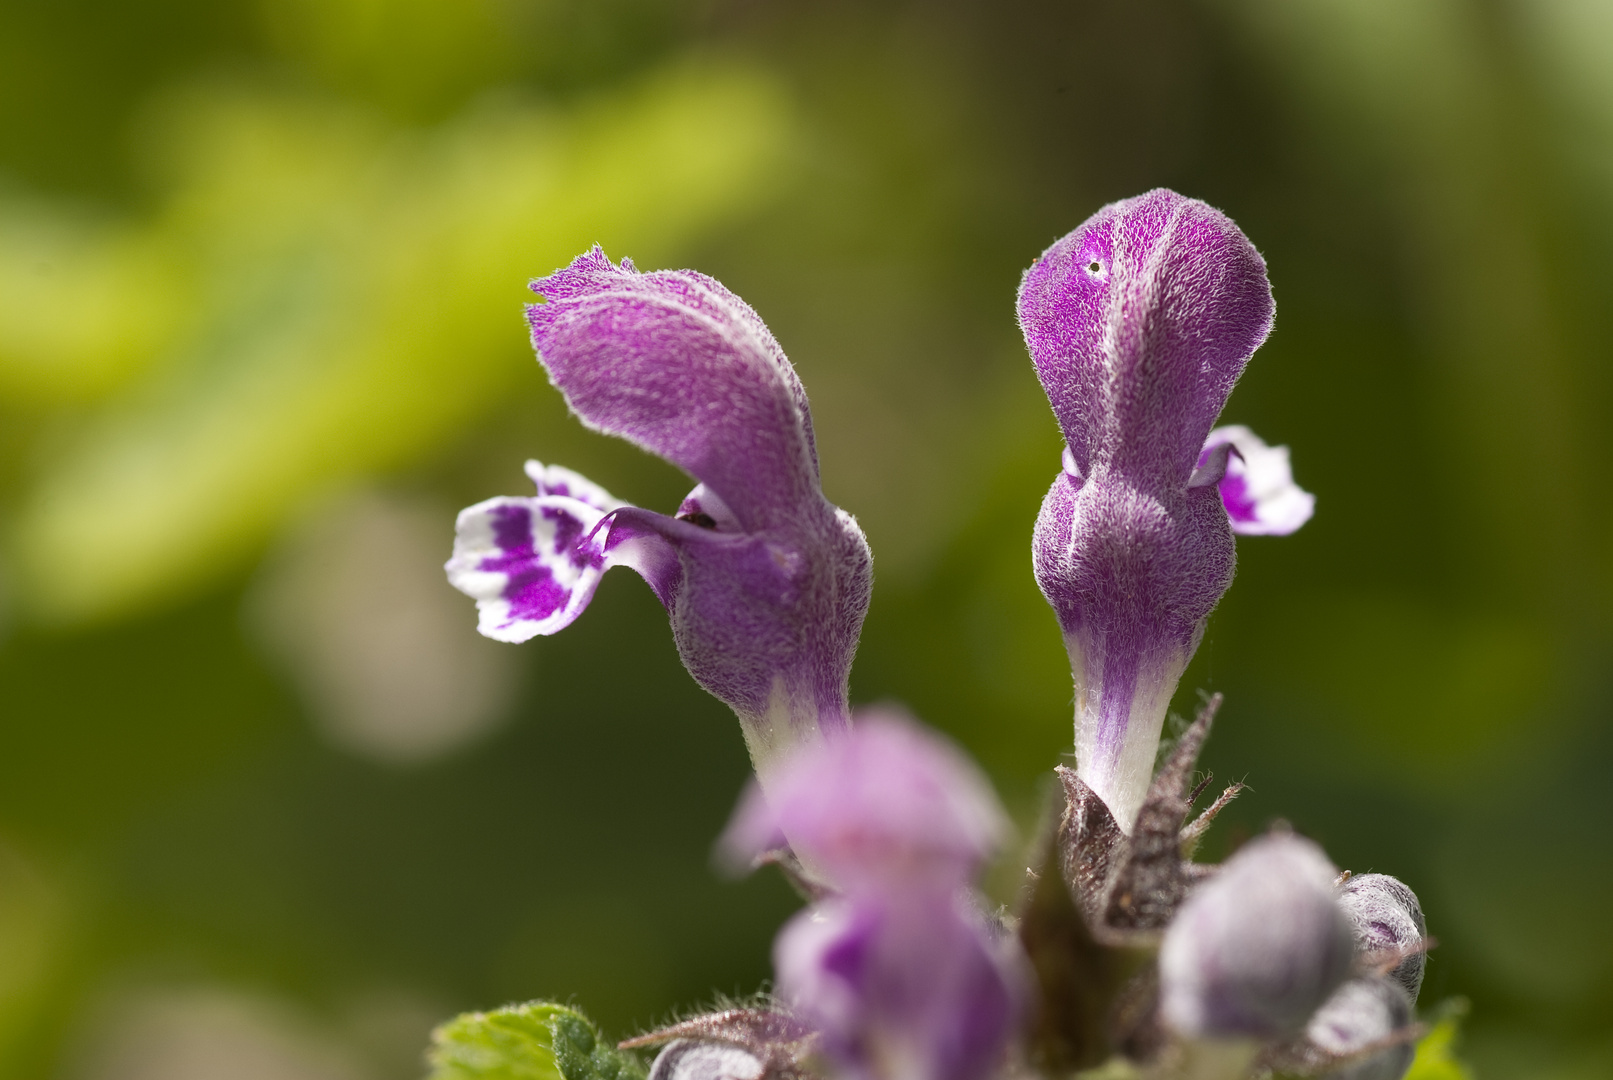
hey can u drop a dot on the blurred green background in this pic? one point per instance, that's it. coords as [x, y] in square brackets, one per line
[269, 808]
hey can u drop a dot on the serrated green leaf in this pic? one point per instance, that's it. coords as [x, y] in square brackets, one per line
[535, 1041]
[582, 1055]
[1436, 1059]
[512, 1043]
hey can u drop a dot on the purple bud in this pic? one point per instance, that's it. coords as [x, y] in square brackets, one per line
[1139, 323]
[765, 581]
[1257, 948]
[1361, 1013]
[692, 1059]
[1387, 917]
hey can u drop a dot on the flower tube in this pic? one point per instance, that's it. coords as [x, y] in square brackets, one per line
[1139, 323]
[766, 582]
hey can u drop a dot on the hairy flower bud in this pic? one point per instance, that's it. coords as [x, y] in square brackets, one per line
[1363, 1012]
[1257, 948]
[693, 1059]
[1386, 916]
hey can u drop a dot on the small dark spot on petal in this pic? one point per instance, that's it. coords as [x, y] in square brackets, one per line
[1095, 267]
[705, 521]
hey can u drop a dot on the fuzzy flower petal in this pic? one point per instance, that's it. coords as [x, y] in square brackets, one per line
[675, 363]
[693, 1059]
[1140, 322]
[1360, 1014]
[1387, 917]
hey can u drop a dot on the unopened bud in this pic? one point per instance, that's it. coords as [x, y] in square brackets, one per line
[692, 1059]
[1363, 1012]
[1258, 948]
[1387, 917]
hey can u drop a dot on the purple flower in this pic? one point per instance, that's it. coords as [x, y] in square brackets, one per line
[899, 972]
[766, 582]
[1139, 323]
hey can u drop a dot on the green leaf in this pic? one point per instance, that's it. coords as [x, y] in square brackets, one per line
[581, 1054]
[1435, 1058]
[535, 1041]
[512, 1043]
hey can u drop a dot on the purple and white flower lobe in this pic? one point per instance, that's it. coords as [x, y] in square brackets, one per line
[1139, 323]
[766, 582]
[1258, 486]
[533, 563]
[897, 970]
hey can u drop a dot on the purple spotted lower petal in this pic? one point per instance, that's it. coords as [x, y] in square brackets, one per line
[1258, 486]
[767, 622]
[532, 564]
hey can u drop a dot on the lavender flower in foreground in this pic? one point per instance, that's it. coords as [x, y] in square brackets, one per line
[1140, 322]
[766, 582]
[897, 970]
